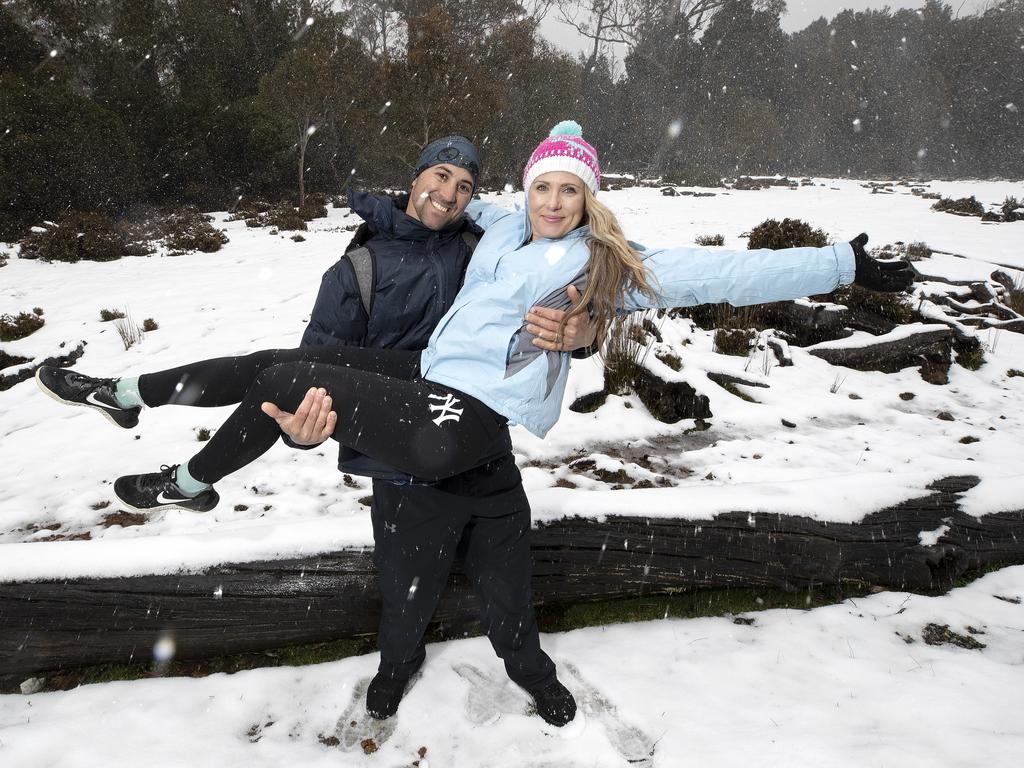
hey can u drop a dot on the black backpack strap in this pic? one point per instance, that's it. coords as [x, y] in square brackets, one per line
[362, 234]
[364, 265]
[470, 239]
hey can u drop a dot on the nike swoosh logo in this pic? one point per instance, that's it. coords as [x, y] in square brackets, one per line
[91, 399]
[161, 499]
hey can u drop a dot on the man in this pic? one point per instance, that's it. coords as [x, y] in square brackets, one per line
[419, 247]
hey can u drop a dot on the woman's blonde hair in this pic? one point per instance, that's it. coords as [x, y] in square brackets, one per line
[612, 269]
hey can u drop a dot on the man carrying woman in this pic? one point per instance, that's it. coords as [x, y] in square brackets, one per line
[442, 412]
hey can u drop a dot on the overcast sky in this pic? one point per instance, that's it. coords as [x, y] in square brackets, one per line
[799, 13]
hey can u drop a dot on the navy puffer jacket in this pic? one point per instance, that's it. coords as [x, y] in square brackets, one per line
[418, 273]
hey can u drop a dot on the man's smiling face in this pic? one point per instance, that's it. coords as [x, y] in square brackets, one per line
[439, 195]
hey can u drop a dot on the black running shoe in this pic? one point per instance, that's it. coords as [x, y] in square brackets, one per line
[158, 490]
[73, 388]
[384, 695]
[554, 703]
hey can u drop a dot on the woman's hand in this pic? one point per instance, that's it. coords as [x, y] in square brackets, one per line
[875, 275]
[313, 421]
[544, 323]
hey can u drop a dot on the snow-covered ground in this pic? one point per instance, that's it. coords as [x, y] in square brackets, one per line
[845, 458]
[845, 685]
[833, 686]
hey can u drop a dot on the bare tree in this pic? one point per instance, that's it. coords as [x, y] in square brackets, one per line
[622, 22]
[379, 25]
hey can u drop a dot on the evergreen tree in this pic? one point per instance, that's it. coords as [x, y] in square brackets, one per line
[737, 125]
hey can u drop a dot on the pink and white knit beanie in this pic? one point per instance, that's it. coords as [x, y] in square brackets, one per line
[564, 150]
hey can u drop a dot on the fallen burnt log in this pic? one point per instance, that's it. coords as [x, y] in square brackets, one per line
[928, 346]
[258, 606]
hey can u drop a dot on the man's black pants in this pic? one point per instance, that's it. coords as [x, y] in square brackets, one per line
[418, 531]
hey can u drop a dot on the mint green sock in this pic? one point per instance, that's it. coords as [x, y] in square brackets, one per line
[188, 484]
[127, 392]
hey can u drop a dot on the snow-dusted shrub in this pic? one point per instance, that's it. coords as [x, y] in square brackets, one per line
[75, 237]
[748, 183]
[964, 206]
[314, 206]
[283, 217]
[734, 341]
[917, 251]
[312, 210]
[970, 355]
[14, 327]
[891, 306]
[906, 251]
[106, 315]
[788, 233]
[249, 208]
[149, 324]
[1013, 209]
[710, 240]
[186, 229]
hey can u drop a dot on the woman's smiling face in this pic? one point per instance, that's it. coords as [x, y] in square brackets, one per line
[555, 204]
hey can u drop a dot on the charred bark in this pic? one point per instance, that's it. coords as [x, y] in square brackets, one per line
[930, 348]
[256, 606]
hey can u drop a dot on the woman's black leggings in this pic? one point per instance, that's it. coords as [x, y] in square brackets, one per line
[384, 409]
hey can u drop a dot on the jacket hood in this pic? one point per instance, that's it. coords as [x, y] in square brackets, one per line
[386, 216]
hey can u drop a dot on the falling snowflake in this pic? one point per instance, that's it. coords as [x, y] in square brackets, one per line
[675, 128]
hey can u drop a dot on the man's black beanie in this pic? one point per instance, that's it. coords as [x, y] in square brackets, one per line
[454, 150]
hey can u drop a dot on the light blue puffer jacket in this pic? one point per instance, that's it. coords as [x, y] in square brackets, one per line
[476, 346]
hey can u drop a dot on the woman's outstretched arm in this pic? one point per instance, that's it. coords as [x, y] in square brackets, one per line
[685, 277]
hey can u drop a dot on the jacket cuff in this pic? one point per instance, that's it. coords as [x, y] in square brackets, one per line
[288, 441]
[583, 352]
[845, 262]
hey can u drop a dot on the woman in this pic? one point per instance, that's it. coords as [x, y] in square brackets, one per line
[440, 412]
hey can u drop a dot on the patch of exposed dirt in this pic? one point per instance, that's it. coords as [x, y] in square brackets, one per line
[124, 519]
[941, 634]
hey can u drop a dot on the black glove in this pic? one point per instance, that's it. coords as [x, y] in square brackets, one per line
[875, 275]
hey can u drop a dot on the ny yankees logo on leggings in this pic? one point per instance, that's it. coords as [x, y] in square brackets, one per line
[447, 410]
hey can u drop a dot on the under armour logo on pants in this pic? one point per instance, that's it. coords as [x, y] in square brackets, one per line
[446, 411]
